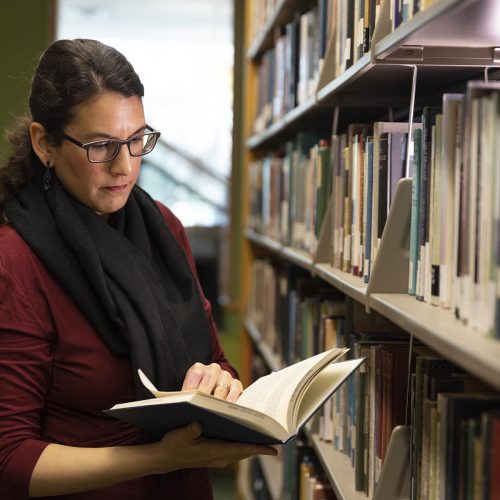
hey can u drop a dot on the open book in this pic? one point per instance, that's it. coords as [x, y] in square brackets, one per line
[272, 410]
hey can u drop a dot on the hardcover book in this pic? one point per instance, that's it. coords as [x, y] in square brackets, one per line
[272, 410]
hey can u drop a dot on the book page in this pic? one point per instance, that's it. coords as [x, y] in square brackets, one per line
[276, 393]
[322, 387]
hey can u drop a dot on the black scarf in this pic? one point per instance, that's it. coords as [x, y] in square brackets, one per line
[128, 275]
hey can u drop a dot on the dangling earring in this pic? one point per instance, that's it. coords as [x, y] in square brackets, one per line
[47, 177]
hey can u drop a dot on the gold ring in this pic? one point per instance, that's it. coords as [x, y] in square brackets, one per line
[221, 384]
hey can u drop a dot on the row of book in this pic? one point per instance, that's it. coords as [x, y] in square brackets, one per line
[454, 418]
[262, 10]
[453, 161]
[312, 482]
[338, 30]
[460, 249]
[302, 476]
[286, 310]
[289, 192]
[358, 170]
[288, 72]
[455, 422]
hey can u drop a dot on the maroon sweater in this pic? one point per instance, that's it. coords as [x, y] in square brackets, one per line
[56, 377]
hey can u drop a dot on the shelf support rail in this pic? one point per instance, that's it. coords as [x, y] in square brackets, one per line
[409, 149]
[487, 71]
[408, 382]
[486, 78]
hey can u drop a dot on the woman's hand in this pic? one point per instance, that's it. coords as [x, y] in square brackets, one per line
[63, 470]
[186, 448]
[212, 379]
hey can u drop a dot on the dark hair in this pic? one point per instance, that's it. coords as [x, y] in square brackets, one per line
[69, 73]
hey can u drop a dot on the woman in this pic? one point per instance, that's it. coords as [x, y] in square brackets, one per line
[96, 281]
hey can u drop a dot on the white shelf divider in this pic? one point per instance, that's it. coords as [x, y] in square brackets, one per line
[273, 469]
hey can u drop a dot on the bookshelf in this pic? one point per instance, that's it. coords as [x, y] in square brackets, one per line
[450, 42]
[436, 327]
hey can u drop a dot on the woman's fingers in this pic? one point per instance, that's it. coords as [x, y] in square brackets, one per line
[235, 389]
[193, 377]
[212, 379]
[213, 374]
[193, 450]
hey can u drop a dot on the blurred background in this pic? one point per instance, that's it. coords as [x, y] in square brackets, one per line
[183, 51]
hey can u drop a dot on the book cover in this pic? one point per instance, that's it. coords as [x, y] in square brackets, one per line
[272, 410]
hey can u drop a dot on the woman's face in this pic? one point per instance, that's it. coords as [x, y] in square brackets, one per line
[103, 187]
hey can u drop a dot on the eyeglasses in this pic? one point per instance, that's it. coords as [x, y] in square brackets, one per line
[108, 149]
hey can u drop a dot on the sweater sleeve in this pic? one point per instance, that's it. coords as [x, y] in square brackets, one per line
[179, 232]
[25, 367]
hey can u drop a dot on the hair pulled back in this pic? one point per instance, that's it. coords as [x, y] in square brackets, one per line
[69, 73]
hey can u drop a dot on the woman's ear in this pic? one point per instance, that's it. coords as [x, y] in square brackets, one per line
[43, 149]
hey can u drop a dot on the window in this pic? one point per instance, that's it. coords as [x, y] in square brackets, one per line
[183, 52]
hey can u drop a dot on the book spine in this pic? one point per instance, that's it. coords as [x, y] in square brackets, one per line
[383, 186]
[415, 213]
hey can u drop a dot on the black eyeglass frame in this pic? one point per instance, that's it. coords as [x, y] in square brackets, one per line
[119, 142]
